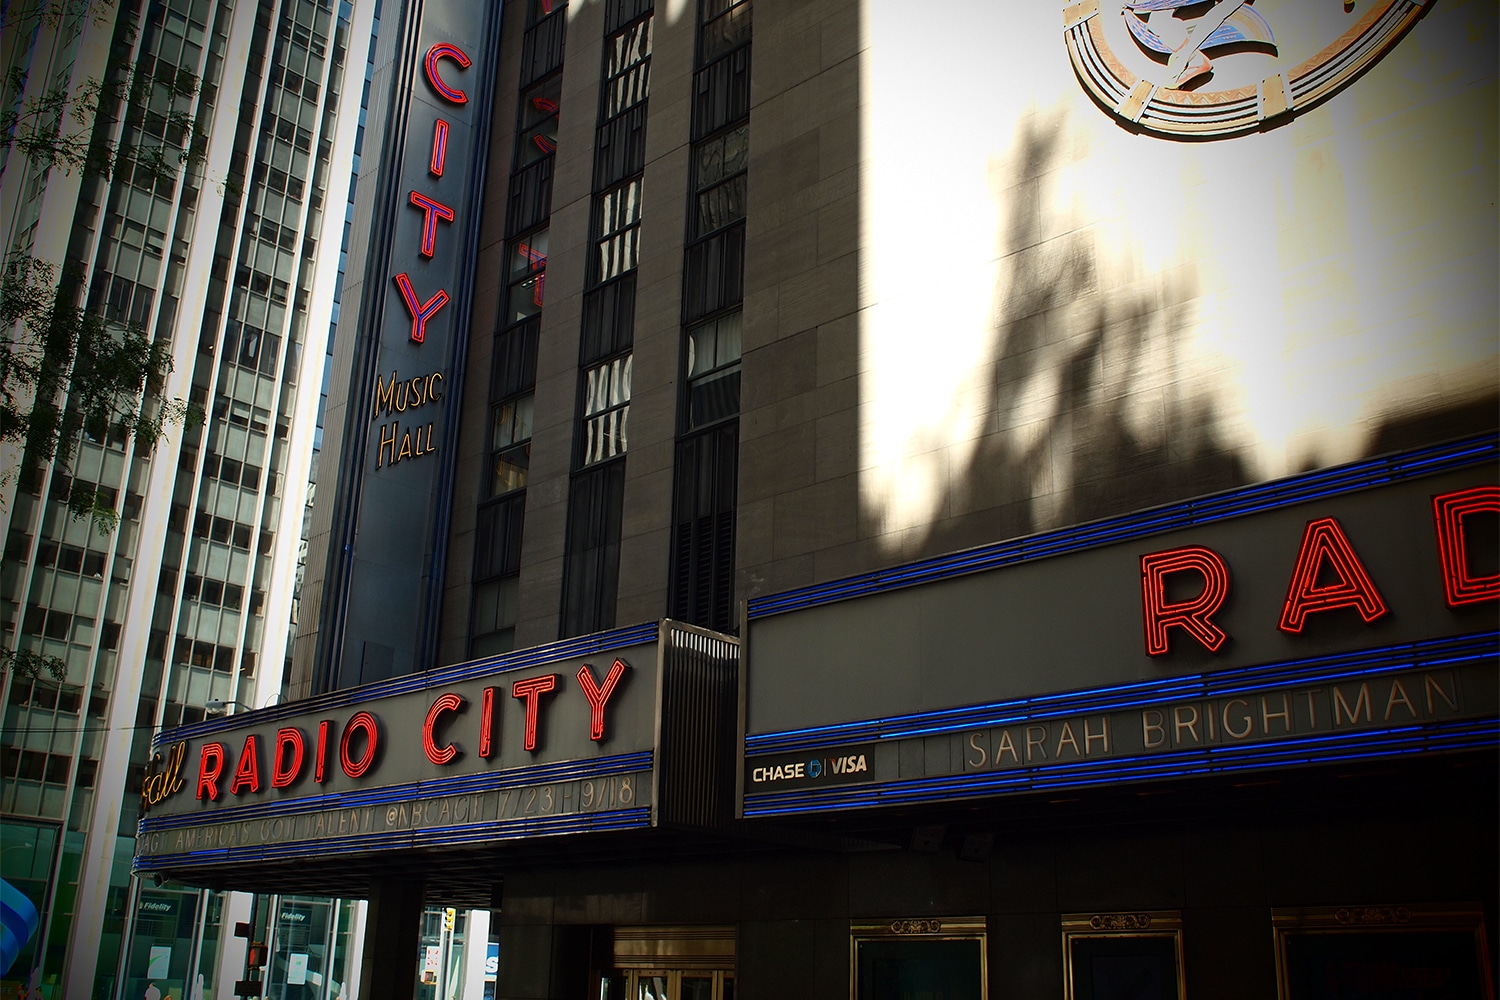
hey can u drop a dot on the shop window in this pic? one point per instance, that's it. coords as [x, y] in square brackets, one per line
[1107, 954]
[933, 956]
[1378, 950]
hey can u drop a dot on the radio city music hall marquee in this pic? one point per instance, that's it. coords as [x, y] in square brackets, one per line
[1359, 627]
[558, 739]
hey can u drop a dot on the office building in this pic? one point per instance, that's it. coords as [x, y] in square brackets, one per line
[1015, 517]
[185, 608]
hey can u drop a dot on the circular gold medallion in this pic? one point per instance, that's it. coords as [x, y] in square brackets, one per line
[1213, 68]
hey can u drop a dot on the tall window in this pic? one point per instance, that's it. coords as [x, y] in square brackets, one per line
[617, 220]
[497, 548]
[627, 68]
[606, 410]
[701, 585]
[719, 180]
[726, 26]
[510, 444]
[526, 276]
[592, 564]
[713, 372]
[538, 121]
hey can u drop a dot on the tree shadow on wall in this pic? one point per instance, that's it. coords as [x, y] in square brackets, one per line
[1094, 411]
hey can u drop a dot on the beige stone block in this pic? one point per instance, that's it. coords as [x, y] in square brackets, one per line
[753, 530]
[777, 462]
[837, 452]
[858, 557]
[761, 312]
[822, 293]
[775, 577]
[783, 368]
[838, 349]
[648, 501]
[816, 517]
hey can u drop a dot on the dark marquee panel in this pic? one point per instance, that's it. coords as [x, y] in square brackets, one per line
[612, 732]
[1343, 615]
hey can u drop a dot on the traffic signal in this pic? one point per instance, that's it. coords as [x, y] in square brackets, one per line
[255, 956]
[449, 916]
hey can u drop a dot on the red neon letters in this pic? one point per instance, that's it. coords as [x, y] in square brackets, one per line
[432, 209]
[247, 774]
[1323, 543]
[1193, 615]
[448, 702]
[421, 312]
[486, 723]
[1326, 554]
[439, 148]
[1461, 587]
[360, 722]
[445, 50]
[320, 765]
[210, 766]
[530, 691]
[284, 769]
[599, 696]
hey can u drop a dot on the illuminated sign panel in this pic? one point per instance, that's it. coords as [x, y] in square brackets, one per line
[559, 739]
[1297, 631]
[396, 467]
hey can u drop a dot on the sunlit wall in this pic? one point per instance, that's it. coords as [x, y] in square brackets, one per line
[1056, 303]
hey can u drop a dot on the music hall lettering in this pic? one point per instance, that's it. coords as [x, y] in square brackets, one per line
[399, 442]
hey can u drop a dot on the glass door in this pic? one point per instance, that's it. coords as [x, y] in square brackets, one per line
[679, 984]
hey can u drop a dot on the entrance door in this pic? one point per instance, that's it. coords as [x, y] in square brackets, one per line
[694, 962]
[680, 984]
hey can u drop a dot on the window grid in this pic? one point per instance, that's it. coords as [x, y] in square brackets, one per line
[627, 68]
[606, 410]
[725, 27]
[719, 175]
[526, 277]
[617, 220]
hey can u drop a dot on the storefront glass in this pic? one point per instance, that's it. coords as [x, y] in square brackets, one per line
[920, 957]
[159, 965]
[28, 850]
